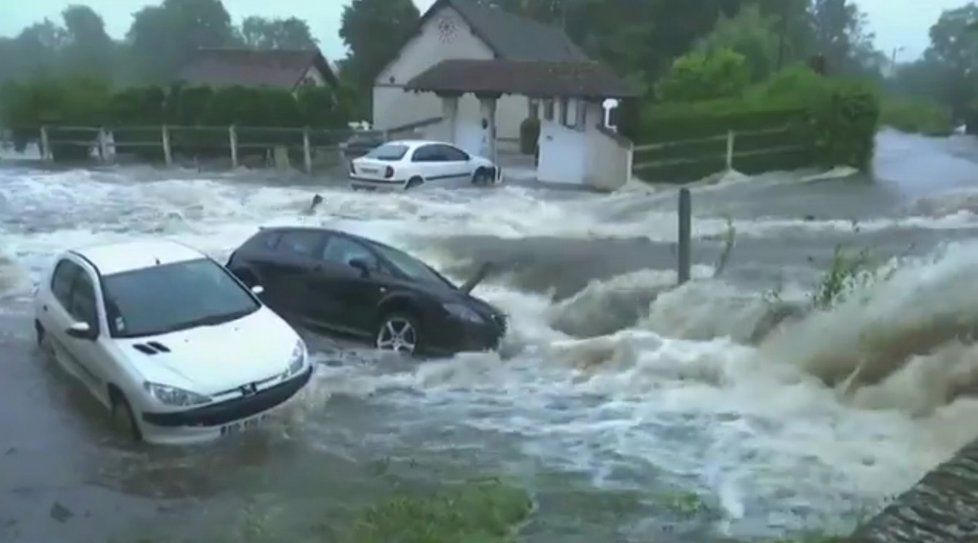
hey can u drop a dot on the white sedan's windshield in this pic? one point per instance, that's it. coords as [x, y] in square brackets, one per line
[173, 297]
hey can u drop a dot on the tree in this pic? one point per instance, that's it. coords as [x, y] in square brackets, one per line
[291, 33]
[948, 66]
[162, 38]
[722, 73]
[841, 35]
[374, 30]
[752, 34]
[87, 48]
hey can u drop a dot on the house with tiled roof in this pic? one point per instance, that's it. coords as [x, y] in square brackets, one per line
[471, 74]
[282, 69]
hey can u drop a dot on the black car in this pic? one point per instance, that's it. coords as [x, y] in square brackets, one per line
[351, 285]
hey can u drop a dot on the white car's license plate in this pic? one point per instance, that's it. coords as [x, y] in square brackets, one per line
[243, 425]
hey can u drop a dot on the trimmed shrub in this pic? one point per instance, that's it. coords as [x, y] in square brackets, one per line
[844, 123]
[529, 135]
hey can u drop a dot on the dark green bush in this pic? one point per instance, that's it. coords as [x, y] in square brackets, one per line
[529, 135]
[844, 122]
[321, 107]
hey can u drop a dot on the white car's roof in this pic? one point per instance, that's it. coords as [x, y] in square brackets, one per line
[136, 255]
[418, 143]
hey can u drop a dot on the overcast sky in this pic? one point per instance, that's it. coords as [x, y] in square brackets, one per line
[897, 23]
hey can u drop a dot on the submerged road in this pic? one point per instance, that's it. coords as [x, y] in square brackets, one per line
[629, 410]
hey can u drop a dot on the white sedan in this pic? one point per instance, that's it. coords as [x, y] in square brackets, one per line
[408, 164]
[168, 340]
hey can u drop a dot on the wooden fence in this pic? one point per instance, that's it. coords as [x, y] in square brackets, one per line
[165, 143]
[754, 151]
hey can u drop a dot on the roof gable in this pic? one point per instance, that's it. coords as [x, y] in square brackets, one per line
[251, 68]
[515, 37]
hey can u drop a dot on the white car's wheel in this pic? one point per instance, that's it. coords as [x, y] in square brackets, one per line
[414, 183]
[482, 177]
[123, 419]
[399, 333]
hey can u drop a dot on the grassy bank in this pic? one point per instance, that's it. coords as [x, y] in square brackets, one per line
[916, 116]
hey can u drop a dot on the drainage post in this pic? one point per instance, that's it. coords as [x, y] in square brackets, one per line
[685, 225]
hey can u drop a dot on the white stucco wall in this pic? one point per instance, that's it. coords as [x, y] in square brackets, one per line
[394, 107]
[583, 155]
[317, 76]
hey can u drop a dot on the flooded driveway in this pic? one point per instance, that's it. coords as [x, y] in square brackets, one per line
[630, 411]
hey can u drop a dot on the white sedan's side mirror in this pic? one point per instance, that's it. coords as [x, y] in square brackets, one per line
[80, 330]
[257, 290]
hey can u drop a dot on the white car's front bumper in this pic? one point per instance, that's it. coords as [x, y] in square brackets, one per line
[210, 422]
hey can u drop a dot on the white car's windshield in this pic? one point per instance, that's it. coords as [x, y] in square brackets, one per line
[389, 152]
[173, 297]
[412, 267]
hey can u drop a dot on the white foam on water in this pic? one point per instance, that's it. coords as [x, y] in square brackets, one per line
[661, 386]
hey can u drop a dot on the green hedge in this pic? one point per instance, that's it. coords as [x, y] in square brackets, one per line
[136, 114]
[833, 121]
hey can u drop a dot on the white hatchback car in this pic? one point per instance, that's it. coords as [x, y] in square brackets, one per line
[177, 348]
[408, 164]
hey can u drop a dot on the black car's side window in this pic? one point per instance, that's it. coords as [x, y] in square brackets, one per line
[83, 305]
[64, 277]
[340, 250]
[299, 243]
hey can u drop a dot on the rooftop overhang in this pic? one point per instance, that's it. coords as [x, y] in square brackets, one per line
[535, 79]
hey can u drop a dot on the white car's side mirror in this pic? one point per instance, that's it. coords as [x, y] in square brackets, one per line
[80, 330]
[257, 290]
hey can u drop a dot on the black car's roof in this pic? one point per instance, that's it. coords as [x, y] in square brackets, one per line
[321, 230]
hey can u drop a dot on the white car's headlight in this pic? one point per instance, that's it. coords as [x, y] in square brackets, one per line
[462, 312]
[298, 359]
[174, 396]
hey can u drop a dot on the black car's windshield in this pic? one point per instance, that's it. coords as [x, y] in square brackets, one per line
[412, 267]
[389, 152]
[173, 297]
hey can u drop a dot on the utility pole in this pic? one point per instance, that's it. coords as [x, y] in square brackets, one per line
[784, 30]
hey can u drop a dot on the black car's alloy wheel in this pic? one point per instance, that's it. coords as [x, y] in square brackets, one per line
[398, 333]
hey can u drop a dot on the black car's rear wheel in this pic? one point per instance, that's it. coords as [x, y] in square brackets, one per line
[399, 333]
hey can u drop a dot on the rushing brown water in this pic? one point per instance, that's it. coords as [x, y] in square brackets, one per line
[613, 393]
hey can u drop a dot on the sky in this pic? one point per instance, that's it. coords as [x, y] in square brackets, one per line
[897, 23]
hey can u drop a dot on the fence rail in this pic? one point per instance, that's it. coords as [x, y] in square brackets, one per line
[704, 156]
[109, 141]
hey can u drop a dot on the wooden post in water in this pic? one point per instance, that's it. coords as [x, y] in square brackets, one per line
[167, 152]
[103, 152]
[233, 134]
[306, 150]
[685, 227]
[730, 150]
[45, 144]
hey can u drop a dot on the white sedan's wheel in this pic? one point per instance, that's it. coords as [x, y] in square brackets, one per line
[482, 176]
[398, 333]
[123, 419]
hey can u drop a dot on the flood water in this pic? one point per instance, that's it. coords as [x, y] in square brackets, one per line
[613, 393]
